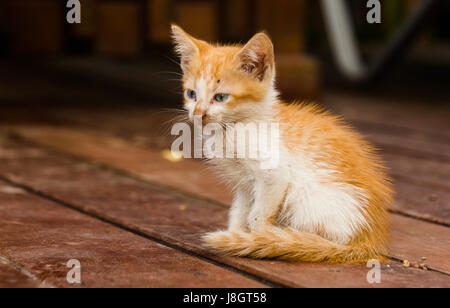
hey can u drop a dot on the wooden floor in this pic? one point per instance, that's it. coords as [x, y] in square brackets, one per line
[90, 183]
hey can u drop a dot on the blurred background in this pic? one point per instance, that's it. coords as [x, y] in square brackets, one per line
[130, 39]
[120, 56]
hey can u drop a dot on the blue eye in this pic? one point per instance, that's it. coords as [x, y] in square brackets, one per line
[191, 94]
[220, 98]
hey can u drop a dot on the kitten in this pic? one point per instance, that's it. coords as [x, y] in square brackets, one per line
[327, 199]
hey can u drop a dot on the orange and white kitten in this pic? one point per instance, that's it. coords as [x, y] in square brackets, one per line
[327, 199]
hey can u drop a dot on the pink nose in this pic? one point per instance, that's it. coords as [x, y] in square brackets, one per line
[199, 111]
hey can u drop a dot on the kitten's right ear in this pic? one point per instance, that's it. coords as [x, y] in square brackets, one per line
[257, 57]
[186, 46]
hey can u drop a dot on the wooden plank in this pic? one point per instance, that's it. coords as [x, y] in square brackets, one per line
[415, 240]
[43, 236]
[150, 127]
[411, 145]
[439, 154]
[11, 277]
[430, 119]
[167, 173]
[413, 137]
[424, 172]
[421, 202]
[181, 220]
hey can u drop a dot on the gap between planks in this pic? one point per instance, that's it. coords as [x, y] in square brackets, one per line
[25, 272]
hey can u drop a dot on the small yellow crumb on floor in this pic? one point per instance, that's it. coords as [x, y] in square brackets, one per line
[172, 156]
[406, 263]
[423, 266]
[183, 207]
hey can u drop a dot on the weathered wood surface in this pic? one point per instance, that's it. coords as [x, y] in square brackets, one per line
[420, 171]
[147, 164]
[422, 202]
[141, 162]
[180, 220]
[11, 277]
[420, 120]
[42, 236]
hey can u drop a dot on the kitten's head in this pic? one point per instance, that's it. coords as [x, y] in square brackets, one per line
[226, 83]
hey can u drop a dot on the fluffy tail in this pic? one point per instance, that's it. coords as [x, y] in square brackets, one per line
[287, 244]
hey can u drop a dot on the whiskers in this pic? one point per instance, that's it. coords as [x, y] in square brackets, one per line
[175, 116]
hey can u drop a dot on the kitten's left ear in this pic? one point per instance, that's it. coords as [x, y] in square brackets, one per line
[257, 57]
[186, 46]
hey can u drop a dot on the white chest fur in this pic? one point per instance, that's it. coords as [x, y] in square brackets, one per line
[314, 201]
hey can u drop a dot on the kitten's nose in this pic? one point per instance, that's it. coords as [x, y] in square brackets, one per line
[199, 111]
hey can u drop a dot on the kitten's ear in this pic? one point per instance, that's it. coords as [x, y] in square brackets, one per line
[186, 46]
[257, 57]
